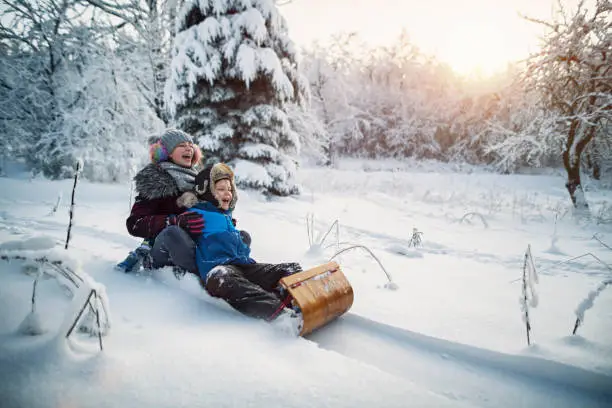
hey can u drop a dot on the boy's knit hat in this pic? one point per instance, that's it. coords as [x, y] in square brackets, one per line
[162, 148]
[206, 179]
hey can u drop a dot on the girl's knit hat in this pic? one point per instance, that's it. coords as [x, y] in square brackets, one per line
[162, 148]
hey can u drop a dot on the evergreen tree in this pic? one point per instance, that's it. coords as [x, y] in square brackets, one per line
[232, 74]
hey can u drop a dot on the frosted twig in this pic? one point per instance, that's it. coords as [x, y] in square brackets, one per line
[370, 252]
[335, 223]
[131, 194]
[601, 242]
[529, 296]
[310, 228]
[474, 214]
[567, 261]
[578, 257]
[78, 316]
[38, 276]
[58, 266]
[587, 303]
[79, 167]
[57, 204]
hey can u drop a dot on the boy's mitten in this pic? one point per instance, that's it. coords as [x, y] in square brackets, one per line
[246, 237]
[190, 221]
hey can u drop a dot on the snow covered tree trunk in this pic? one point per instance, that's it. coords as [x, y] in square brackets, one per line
[158, 57]
[571, 160]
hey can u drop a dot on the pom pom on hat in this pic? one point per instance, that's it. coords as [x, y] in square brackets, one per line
[158, 152]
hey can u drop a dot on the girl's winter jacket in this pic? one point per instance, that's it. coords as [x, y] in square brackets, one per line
[220, 243]
[157, 193]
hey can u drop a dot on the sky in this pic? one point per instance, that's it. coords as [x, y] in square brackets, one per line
[450, 334]
[469, 35]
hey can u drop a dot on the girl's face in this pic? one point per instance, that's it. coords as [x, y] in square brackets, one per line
[183, 154]
[223, 193]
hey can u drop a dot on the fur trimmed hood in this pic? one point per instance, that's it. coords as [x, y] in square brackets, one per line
[154, 182]
[206, 179]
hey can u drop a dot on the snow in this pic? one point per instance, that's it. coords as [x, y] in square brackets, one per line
[449, 335]
[252, 172]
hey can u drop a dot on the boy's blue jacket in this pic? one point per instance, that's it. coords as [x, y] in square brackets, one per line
[220, 242]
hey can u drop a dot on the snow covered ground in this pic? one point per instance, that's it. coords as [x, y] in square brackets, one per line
[451, 334]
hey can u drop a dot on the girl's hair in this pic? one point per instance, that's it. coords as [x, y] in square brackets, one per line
[158, 153]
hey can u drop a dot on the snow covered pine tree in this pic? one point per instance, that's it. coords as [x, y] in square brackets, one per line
[232, 73]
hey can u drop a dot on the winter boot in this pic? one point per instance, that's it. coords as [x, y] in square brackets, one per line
[289, 322]
[179, 272]
[130, 263]
[136, 258]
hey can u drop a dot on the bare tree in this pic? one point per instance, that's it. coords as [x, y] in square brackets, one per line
[66, 90]
[573, 72]
[152, 22]
[331, 73]
[35, 38]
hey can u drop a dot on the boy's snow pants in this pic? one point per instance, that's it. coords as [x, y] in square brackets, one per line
[251, 289]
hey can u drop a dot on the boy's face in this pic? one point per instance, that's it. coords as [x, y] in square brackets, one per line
[223, 193]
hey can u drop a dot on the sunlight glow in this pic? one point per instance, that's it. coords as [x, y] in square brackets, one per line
[476, 48]
[474, 37]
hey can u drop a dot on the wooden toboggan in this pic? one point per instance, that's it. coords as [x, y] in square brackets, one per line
[322, 294]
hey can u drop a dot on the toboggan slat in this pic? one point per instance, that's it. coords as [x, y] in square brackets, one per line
[322, 293]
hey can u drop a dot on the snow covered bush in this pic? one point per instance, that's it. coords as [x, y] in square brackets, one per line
[416, 239]
[88, 296]
[233, 72]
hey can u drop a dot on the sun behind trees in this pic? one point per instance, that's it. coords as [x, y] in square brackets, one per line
[93, 88]
[233, 72]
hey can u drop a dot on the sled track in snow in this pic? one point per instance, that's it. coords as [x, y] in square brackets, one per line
[486, 378]
[460, 372]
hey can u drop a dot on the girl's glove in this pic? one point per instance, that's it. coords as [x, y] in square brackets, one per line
[190, 221]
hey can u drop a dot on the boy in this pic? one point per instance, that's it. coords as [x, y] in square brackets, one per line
[223, 259]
